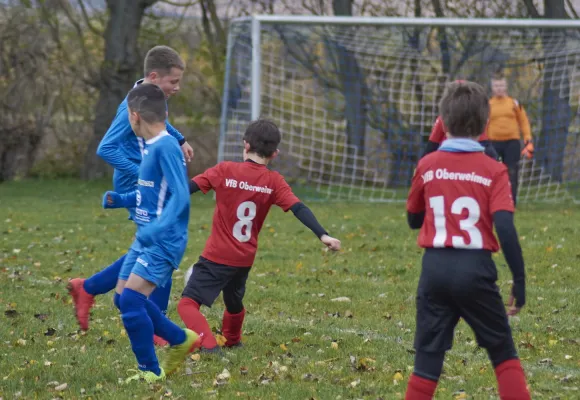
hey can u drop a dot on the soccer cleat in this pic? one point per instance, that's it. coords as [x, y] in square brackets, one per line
[214, 351]
[147, 376]
[159, 341]
[177, 354]
[82, 300]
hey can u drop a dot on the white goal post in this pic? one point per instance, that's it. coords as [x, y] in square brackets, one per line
[355, 97]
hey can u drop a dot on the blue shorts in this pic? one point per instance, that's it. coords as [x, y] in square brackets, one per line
[146, 263]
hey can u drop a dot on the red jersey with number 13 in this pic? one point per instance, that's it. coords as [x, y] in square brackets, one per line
[459, 193]
[245, 191]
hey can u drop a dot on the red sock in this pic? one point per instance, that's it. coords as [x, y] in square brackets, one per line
[420, 388]
[188, 310]
[232, 327]
[511, 381]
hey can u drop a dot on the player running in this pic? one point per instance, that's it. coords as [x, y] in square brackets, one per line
[123, 150]
[161, 204]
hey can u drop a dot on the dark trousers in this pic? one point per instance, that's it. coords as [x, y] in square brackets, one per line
[509, 151]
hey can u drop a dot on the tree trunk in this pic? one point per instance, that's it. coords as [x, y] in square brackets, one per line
[556, 112]
[118, 73]
[352, 83]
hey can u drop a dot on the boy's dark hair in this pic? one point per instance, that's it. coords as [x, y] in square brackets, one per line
[498, 76]
[263, 136]
[162, 59]
[464, 108]
[148, 100]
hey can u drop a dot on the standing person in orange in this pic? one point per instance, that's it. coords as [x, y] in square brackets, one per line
[508, 123]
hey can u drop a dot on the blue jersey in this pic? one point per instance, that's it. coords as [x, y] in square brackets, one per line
[123, 150]
[162, 199]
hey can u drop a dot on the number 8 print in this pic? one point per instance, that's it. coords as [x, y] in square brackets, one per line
[244, 221]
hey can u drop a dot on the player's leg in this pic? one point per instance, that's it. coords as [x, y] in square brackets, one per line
[160, 297]
[204, 286]
[436, 321]
[234, 314]
[489, 149]
[83, 291]
[483, 309]
[142, 318]
[511, 159]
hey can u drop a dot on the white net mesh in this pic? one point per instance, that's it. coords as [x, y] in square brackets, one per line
[356, 103]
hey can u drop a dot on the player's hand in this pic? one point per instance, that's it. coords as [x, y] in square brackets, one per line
[330, 242]
[517, 297]
[528, 150]
[187, 151]
[112, 200]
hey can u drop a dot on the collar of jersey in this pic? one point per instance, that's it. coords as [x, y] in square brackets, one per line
[156, 138]
[461, 145]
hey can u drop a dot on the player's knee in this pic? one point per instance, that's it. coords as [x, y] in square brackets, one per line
[429, 365]
[502, 352]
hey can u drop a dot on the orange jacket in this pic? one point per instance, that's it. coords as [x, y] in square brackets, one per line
[507, 118]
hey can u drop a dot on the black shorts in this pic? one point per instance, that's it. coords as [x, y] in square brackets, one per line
[208, 279]
[459, 284]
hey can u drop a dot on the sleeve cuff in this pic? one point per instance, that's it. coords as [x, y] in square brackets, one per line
[182, 141]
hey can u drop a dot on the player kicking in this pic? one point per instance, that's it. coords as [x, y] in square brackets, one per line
[161, 204]
[457, 195]
[245, 191]
[123, 151]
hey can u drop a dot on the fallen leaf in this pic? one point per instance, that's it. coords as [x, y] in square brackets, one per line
[398, 376]
[195, 357]
[334, 345]
[283, 347]
[221, 340]
[342, 299]
[62, 387]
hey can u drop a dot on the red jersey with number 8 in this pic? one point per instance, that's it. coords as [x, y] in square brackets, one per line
[459, 193]
[245, 191]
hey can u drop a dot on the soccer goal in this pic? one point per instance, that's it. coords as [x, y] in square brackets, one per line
[356, 97]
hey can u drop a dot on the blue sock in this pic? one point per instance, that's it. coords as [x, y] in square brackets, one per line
[160, 296]
[117, 300]
[164, 327]
[106, 280]
[139, 328]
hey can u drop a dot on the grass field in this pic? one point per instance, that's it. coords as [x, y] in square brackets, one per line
[299, 343]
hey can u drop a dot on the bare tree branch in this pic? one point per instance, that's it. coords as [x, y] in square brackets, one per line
[572, 9]
[532, 10]
[90, 25]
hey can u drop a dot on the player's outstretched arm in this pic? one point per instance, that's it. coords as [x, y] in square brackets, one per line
[510, 245]
[108, 149]
[177, 207]
[193, 187]
[124, 200]
[185, 147]
[306, 216]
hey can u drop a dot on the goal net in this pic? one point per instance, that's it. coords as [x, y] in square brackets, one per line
[356, 102]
